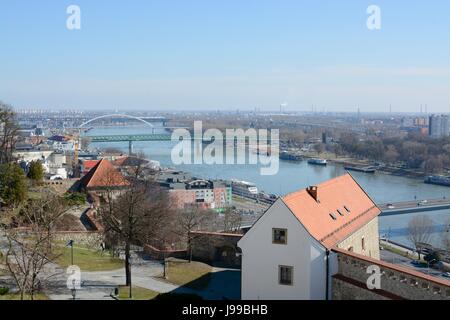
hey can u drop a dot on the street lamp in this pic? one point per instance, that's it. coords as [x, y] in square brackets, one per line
[70, 243]
[74, 290]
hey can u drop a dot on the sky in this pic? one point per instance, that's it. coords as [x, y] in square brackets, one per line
[233, 54]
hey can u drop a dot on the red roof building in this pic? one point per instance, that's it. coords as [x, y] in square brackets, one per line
[333, 210]
[287, 253]
[88, 165]
[102, 176]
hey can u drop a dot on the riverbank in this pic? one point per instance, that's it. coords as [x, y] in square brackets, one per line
[349, 161]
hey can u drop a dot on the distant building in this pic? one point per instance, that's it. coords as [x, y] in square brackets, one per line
[200, 193]
[87, 165]
[408, 122]
[286, 254]
[439, 126]
[103, 176]
[244, 189]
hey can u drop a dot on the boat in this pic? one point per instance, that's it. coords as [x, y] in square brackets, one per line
[318, 162]
[361, 169]
[284, 155]
[438, 180]
[244, 189]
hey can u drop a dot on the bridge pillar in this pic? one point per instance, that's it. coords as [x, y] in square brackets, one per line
[130, 147]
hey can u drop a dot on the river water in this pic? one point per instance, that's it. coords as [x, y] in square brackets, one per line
[294, 176]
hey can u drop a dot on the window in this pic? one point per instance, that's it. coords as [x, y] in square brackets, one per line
[333, 216]
[279, 236]
[340, 212]
[347, 209]
[363, 244]
[285, 276]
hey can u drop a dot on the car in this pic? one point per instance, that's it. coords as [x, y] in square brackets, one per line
[423, 202]
[446, 274]
[390, 206]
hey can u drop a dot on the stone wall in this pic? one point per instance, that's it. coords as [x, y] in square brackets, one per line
[370, 234]
[92, 240]
[216, 248]
[158, 254]
[397, 282]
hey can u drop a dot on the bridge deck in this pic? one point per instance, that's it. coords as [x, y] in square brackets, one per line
[415, 206]
[149, 137]
[132, 137]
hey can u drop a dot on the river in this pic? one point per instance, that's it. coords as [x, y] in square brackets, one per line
[291, 176]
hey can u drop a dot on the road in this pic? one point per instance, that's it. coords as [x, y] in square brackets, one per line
[414, 206]
[397, 259]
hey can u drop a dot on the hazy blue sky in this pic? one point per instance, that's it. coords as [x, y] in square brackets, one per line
[192, 54]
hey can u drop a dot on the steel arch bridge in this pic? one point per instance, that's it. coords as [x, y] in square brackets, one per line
[116, 115]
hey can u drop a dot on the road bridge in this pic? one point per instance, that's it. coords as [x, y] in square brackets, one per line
[414, 206]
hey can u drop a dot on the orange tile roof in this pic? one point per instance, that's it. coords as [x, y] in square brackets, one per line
[120, 161]
[89, 164]
[104, 174]
[332, 195]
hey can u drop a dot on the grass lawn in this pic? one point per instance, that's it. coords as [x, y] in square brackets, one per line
[421, 263]
[16, 296]
[394, 250]
[137, 292]
[195, 275]
[88, 259]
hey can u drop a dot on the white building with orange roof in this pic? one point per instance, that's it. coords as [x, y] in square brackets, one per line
[287, 252]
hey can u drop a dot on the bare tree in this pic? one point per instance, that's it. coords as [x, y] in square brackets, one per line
[8, 133]
[30, 250]
[420, 229]
[445, 236]
[192, 219]
[135, 215]
[232, 220]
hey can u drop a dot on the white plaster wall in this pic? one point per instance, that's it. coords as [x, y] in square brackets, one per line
[261, 258]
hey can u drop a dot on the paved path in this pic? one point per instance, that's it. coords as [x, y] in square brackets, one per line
[224, 284]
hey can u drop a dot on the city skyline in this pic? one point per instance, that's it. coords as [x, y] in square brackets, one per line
[202, 56]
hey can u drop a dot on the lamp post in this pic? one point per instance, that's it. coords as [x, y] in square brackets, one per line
[74, 290]
[165, 265]
[70, 243]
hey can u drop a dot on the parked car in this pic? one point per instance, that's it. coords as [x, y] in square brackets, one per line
[390, 206]
[446, 274]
